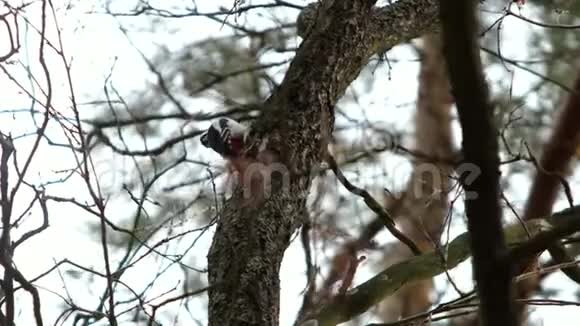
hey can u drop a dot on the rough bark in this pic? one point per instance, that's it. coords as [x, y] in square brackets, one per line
[249, 243]
[492, 271]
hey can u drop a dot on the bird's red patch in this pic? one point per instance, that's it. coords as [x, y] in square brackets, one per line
[237, 145]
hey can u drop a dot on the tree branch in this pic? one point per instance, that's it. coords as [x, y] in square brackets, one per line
[372, 203]
[296, 126]
[361, 298]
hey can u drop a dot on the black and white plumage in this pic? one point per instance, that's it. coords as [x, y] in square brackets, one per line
[226, 137]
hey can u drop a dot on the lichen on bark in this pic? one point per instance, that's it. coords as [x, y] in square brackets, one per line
[249, 243]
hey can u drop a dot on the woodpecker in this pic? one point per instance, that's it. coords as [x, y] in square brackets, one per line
[252, 173]
[226, 137]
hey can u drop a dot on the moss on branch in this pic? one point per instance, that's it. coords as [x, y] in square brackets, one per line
[359, 299]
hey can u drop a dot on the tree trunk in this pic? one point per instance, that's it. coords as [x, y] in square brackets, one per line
[425, 203]
[297, 121]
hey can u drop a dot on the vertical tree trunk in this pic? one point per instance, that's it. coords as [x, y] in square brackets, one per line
[425, 202]
[552, 170]
[340, 37]
[491, 267]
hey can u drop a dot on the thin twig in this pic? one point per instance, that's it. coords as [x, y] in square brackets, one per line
[373, 205]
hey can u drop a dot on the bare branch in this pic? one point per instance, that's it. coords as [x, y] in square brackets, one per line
[373, 205]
